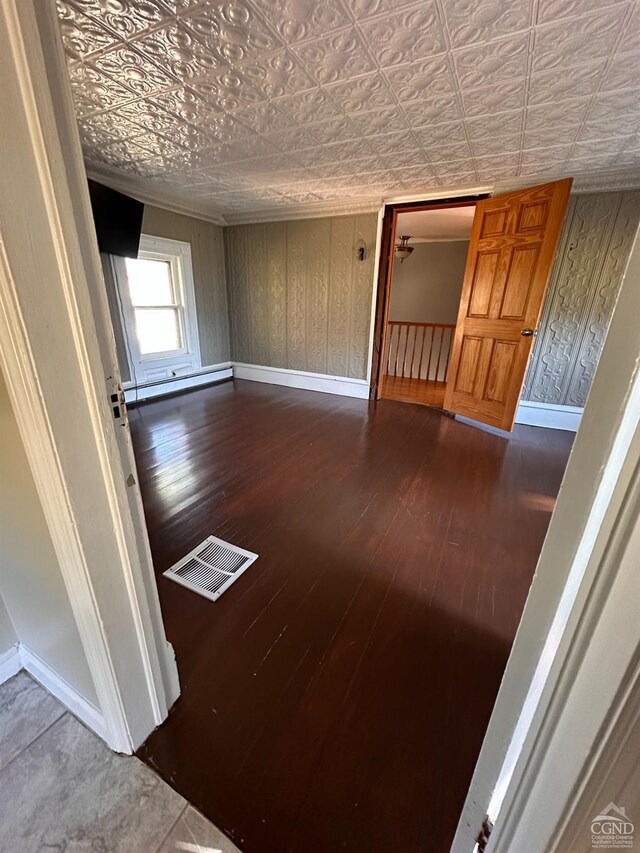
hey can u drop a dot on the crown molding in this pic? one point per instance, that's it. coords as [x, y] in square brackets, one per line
[586, 182]
[140, 191]
[623, 179]
[305, 211]
[348, 207]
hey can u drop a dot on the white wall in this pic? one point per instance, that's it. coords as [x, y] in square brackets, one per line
[8, 636]
[31, 583]
[426, 287]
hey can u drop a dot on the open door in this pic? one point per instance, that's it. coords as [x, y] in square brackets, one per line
[513, 245]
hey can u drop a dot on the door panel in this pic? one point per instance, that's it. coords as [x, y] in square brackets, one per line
[469, 360]
[513, 244]
[524, 260]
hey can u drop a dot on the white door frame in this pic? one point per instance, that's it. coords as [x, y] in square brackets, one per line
[574, 661]
[58, 357]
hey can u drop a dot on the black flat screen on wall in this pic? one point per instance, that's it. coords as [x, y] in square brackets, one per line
[118, 220]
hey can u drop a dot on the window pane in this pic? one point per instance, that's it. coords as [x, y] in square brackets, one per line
[158, 330]
[150, 282]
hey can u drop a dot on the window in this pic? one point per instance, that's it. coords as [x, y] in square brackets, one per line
[156, 306]
[158, 310]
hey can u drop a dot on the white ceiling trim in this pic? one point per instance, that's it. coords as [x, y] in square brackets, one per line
[591, 182]
[349, 208]
[140, 191]
[305, 211]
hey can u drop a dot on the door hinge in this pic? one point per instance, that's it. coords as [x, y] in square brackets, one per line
[483, 836]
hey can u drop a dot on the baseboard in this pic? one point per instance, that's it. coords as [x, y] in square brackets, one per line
[10, 663]
[550, 415]
[342, 385]
[206, 376]
[63, 691]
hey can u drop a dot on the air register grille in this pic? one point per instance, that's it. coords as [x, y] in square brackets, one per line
[211, 567]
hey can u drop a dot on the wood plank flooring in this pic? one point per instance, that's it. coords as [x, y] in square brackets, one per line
[406, 390]
[336, 696]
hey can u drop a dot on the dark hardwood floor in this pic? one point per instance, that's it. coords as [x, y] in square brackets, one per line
[336, 696]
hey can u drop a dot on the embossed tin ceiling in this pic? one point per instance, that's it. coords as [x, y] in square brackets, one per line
[240, 106]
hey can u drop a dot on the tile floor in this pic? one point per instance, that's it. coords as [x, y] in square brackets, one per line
[64, 790]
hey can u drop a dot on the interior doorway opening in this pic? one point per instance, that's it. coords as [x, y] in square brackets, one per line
[481, 360]
[430, 254]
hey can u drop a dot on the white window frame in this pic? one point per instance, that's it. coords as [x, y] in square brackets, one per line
[154, 367]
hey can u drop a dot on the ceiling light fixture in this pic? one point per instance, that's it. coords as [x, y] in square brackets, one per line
[403, 249]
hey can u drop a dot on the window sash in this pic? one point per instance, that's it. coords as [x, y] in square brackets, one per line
[169, 283]
[175, 276]
[149, 366]
[152, 354]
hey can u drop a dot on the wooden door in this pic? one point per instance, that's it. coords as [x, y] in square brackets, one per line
[513, 244]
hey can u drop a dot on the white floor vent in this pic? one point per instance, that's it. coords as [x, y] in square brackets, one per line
[211, 567]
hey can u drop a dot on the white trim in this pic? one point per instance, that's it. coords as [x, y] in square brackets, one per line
[588, 182]
[50, 349]
[606, 180]
[185, 360]
[321, 210]
[578, 631]
[341, 385]
[349, 207]
[550, 415]
[140, 191]
[178, 254]
[534, 730]
[63, 691]
[10, 663]
[206, 376]
[20, 657]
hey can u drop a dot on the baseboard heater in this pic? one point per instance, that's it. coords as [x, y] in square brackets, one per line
[174, 384]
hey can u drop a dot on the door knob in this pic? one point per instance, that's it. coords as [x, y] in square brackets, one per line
[526, 333]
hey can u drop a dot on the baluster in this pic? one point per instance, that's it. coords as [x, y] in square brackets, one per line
[395, 364]
[406, 342]
[449, 342]
[390, 327]
[439, 353]
[432, 331]
[413, 350]
[424, 335]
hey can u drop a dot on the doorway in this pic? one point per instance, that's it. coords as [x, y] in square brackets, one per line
[481, 358]
[430, 254]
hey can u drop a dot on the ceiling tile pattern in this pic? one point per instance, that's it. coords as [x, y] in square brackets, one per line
[251, 104]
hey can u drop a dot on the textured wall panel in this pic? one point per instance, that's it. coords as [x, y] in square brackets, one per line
[296, 286]
[298, 296]
[317, 293]
[259, 302]
[341, 273]
[587, 274]
[237, 273]
[361, 297]
[277, 288]
[207, 256]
